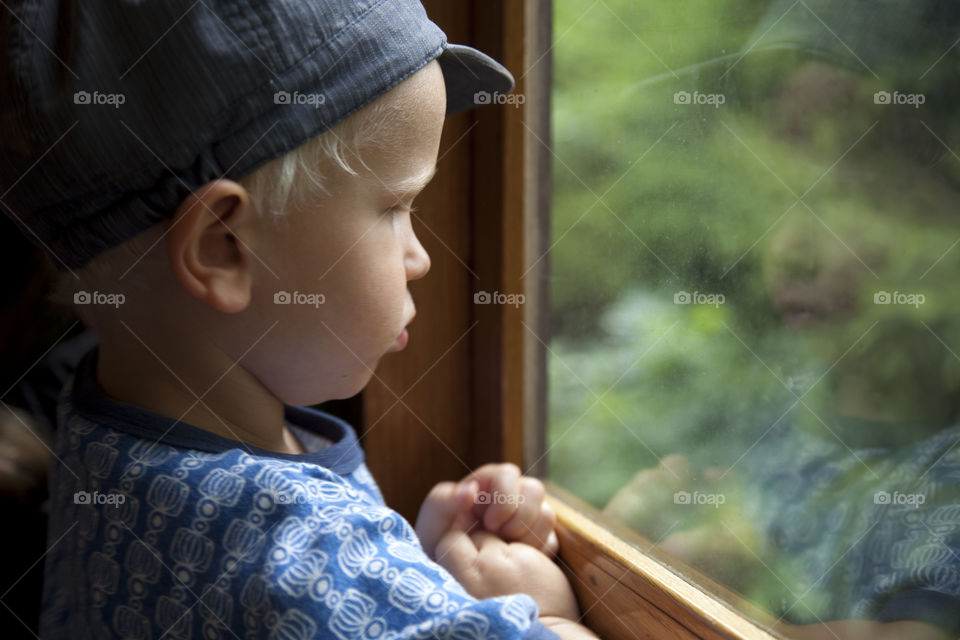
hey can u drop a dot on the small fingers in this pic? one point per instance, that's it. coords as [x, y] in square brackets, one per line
[485, 541]
[542, 535]
[447, 506]
[525, 524]
[498, 497]
[457, 553]
[548, 519]
[677, 467]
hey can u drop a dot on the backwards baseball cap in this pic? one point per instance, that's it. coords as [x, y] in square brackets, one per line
[115, 110]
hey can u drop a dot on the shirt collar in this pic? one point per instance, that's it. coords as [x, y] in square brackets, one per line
[90, 401]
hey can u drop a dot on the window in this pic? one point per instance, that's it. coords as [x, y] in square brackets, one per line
[753, 336]
[732, 222]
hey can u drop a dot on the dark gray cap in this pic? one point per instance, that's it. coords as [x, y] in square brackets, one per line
[113, 111]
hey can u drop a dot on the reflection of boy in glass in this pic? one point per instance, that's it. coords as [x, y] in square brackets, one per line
[857, 490]
[853, 498]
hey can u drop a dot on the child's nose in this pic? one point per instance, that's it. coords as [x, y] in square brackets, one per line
[417, 260]
[795, 250]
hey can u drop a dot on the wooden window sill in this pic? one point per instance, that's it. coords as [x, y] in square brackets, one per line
[626, 593]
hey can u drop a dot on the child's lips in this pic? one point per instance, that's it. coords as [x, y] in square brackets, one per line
[801, 311]
[805, 307]
[401, 341]
[800, 317]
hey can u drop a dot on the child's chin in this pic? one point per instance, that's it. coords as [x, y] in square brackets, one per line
[340, 389]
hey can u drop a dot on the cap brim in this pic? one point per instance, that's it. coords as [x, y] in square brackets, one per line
[467, 72]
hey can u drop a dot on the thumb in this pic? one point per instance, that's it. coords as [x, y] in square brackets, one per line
[466, 497]
[446, 507]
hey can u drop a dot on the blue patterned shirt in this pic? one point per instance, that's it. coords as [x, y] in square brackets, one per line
[160, 529]
[864, 533]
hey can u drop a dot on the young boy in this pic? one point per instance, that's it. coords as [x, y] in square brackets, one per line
[229, 186]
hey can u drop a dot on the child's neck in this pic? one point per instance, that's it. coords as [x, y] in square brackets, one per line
[205, 390]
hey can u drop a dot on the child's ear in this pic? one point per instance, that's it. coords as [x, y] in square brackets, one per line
[205, 247]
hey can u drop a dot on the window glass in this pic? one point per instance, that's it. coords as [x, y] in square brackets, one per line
[754, 358]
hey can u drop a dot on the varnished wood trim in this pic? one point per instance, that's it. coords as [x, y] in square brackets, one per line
[627, 593]
[537, 188]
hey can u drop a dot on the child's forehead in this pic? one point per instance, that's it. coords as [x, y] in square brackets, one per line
[398, 134]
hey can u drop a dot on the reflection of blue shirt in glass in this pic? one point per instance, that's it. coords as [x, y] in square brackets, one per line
[867, 533]
[157, 527]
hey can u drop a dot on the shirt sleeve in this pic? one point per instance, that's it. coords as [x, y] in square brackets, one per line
[349, 568]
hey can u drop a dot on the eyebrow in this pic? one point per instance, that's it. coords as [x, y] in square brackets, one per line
[413, 184]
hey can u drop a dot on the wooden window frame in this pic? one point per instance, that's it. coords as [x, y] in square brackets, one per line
[470, 387]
